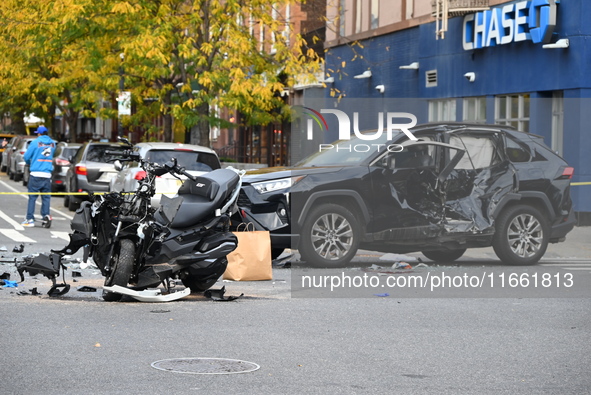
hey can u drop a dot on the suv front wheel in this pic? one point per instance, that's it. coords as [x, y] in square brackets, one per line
[521, 235]
[330, 236]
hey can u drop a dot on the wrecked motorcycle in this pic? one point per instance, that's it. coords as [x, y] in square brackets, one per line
[186, 238]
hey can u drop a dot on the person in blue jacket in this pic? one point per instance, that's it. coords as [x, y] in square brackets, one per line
[39, 157]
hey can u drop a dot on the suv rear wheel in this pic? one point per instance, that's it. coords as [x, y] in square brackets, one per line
[521, 235]
[330, 236]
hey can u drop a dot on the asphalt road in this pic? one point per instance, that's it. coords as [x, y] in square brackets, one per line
[351, 340]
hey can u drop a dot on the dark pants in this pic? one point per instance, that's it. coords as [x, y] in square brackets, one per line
[38, 184]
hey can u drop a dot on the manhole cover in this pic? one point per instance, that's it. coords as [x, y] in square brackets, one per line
[205, 365]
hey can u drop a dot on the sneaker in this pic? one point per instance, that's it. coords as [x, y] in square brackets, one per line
[29, 223]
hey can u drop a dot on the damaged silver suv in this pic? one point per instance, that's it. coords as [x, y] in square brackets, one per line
[460, 186]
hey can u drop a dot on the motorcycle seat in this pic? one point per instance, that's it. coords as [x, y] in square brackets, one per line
[203, 196]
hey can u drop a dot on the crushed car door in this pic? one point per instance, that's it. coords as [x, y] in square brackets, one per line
[409, 190]
[478, 182]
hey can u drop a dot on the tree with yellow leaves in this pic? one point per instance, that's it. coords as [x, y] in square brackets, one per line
[179, 58]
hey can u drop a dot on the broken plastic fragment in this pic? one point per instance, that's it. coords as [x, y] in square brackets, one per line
[398, 257]
[149, 295]
[55, 290]
[20, 248]
[401, 265]
[10, 284]
[218, 295]
[86, 288]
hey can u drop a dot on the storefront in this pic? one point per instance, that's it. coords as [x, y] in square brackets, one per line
[521, 63]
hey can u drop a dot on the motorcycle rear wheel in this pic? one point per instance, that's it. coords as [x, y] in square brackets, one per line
[121, 270]
[197, 284]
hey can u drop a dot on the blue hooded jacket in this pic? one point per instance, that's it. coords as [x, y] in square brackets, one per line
[39, 155]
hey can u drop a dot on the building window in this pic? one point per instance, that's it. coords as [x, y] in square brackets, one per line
[475, 109]
[375, 14]
[442, 110]
[513, 110]
[358, 15]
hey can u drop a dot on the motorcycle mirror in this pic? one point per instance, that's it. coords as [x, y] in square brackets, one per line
[125, 141]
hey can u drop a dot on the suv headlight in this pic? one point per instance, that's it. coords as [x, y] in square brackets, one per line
[273, 185]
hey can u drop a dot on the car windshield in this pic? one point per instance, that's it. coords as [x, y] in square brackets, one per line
[190, 160]
[98, 153]
[346, 152]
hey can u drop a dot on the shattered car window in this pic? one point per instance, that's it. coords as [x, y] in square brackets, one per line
[415, 157]
[480, 151]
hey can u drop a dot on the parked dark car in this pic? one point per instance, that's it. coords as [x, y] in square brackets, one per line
[91, 170]
[460, 186]
[16, 161]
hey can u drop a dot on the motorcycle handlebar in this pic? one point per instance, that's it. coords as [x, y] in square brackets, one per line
[124, 155]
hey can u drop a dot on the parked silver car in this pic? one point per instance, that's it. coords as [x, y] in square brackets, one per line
[91, 170]
[6, 153]
[16, 165]
[194, 158]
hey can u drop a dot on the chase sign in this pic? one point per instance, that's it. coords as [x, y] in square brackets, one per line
[532, 20]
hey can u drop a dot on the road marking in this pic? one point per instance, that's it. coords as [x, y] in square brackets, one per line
[16, 236]
[38, 201]
[570, 263]
[61, 235]
[12, 222]
[576, 268]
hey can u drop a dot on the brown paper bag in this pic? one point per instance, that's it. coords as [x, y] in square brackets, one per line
[251, 260]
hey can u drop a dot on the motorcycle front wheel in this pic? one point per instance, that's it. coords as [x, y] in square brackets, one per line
[121, 270]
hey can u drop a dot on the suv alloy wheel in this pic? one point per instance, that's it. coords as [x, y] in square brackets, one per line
[521, 235]
[330, 236]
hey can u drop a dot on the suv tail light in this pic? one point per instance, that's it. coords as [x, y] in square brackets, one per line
[81, 170]
[567, 173]
[140, 175]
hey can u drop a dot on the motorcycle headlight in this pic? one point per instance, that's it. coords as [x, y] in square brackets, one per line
[273, 185]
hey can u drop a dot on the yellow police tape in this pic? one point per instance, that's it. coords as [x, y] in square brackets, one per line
[127, 193]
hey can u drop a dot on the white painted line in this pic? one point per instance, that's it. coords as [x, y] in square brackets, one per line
[38, 200]
[61, 235]
[12, 222]
[16, 236]
[576, 268]
[570, 263]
